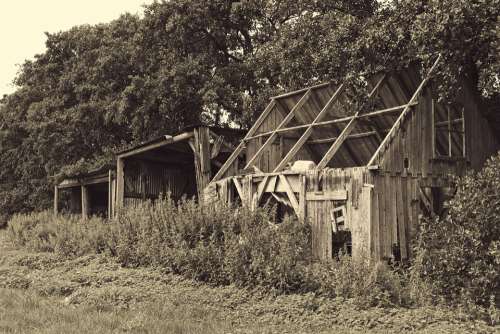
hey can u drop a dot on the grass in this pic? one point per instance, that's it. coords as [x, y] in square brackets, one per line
[48, 293]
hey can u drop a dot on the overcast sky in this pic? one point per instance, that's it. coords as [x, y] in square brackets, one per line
[23, 23]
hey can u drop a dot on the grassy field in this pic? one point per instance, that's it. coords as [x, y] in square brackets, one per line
[45, 293]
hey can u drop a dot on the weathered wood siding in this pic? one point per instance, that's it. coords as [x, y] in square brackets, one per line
[414, 141]
[318, 213]
[146, 180]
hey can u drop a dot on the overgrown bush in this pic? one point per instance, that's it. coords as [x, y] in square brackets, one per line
[216, 244]
[460, 254]
[67, 235]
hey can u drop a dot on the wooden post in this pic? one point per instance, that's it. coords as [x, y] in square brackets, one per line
[110, 194]
[56, 200]
[202, 158]
[120, 184]
[302, 199]
[85, 202]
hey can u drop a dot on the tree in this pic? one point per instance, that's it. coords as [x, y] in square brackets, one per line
[98, 88]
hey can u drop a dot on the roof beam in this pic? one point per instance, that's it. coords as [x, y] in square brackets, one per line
[283, 123]
[305, 136]
[335, 121]
[403, 114]
[345, 133]
[241, 145]
[352, 136]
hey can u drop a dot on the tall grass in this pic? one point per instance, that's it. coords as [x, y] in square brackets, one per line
[219, 245]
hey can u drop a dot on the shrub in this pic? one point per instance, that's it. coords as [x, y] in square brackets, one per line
[67, 235]
[461, 253]
[216, 244]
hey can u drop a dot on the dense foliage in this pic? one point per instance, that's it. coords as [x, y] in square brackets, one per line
[217, 245]
[461, 253]
[97, 88]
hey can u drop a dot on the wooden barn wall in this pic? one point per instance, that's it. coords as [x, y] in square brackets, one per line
[147, 180]
[394, 214]
[414, 142]
[356, 181]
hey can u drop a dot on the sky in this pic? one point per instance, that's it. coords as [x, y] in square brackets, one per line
[23, 24]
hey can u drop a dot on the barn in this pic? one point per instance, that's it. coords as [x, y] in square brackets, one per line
[363, 178]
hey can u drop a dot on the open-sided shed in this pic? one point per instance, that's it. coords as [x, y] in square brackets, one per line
[86, 193]
[180, 164]
[361, 179]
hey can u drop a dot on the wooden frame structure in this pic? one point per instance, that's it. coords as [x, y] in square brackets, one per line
[379, 167]
[181, 165]
[87, 194]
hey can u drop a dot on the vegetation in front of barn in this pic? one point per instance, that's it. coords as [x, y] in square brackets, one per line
[456, 258]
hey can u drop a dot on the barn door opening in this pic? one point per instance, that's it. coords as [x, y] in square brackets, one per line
[341, 235]
[434, 201]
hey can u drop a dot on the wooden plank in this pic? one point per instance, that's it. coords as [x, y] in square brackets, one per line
[290, 193]
[85, 202]
[56, 200]
[283, 123]
[330, 195]
[110, 194]
[337, 144]
[120, 183]
[239, 189]
[167, 140]
[241, 146]
[403, 115]
[260, 192]
[375, 227]
[302, 199]
[271, 184]
[302, 90]
[401, 219]
[305, 136]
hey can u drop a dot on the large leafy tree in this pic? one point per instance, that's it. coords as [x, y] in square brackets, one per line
[97, 88]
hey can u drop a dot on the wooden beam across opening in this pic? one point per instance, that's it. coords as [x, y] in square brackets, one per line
[241, 145]
[283, 123]
[403, 114]
[334, 148]
[305, 136]
[351, 136]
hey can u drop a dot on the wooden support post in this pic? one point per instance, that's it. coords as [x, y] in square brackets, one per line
[56, 200]
[290, 193]
[302, 199]
[110, 194]
[202, 164]
[120, 184]
[85, 202]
